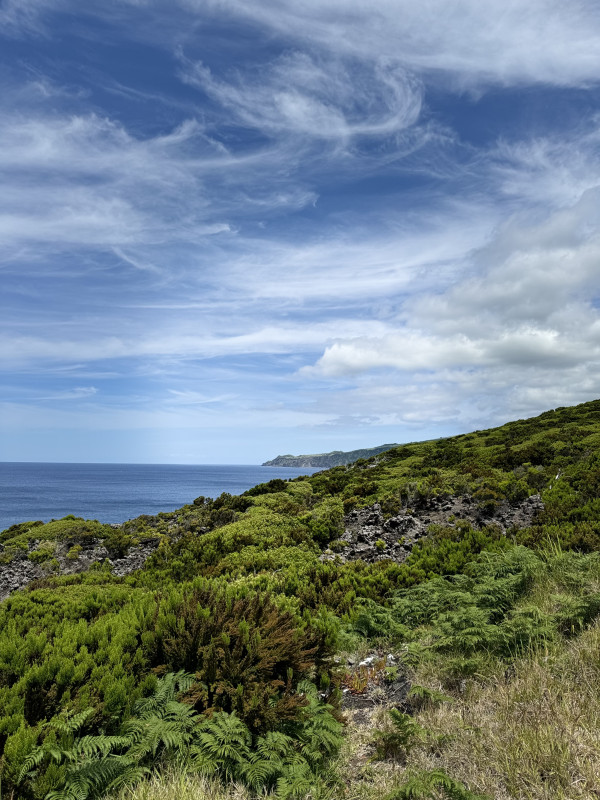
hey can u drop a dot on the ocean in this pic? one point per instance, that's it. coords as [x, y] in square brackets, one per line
[118, 492]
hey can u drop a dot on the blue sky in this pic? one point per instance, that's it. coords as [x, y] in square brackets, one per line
[234, 229]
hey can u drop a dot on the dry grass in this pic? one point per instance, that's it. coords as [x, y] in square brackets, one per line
[177, 786]
[533, 734]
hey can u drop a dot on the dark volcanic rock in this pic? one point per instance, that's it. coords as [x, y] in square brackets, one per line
[21, 570]
[369, 537]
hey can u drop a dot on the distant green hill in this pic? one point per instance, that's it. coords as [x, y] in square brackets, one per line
[337, 458]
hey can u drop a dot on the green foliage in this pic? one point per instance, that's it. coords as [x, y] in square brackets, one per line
[235, 596]
[326, 521]
[398, 740]
[90, 765]
[247, 654]
[19, 529]
[374, 621]
[421, 696]
[74, 552]
[431, 785]
[44, 552]
[289, 761]
[276, 485]
[449, 549]
[164, 730]
[69, 527]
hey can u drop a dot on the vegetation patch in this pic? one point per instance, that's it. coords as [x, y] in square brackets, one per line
[221, 662]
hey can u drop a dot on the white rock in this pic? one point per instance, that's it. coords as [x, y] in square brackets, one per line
[367, 662]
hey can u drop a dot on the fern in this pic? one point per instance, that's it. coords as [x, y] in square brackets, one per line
[397, 743]
[428, 785]
[296, 782]
[222, 742]
[71, 723]
[291, 762]
[421, 696]
[96, 763]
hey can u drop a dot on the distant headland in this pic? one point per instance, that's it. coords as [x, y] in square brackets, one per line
[326, 460]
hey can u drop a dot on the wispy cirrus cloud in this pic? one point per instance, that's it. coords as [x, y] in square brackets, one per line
[326, 216]
[466, 43]
[87, 181]
[78, 393]
[298, 94]
[189, 397]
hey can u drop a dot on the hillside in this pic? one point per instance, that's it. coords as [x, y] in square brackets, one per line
[420, 624]
[336, 458]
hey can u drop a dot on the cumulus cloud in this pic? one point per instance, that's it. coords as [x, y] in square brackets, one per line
[519, 328]
[412, 351]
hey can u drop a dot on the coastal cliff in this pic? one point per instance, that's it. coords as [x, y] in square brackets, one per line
[337, 458]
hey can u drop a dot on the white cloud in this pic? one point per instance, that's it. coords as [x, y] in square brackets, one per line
[78, 393]
[468, 292]
[519, 328]
[551, 170]
[180, 343]
[298, 94]
[85, 180]
[415, 352]
[103, 418]
[366, 263]
[19, 16]
[191, 398]
[472, 42]
[405, 350]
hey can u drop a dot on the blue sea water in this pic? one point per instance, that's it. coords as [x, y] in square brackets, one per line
[118, 492]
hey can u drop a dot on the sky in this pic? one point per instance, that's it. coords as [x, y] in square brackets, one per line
[234, 229]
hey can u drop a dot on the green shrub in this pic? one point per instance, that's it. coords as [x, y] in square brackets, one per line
[247, 654]
[74, 552]
[44, 552]
[162, 731]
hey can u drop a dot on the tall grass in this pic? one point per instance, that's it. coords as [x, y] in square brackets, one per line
[180, 786]
[532, 732]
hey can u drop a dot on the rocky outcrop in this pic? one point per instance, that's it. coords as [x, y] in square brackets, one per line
[370, 537]
[67, 558]
[367, 536]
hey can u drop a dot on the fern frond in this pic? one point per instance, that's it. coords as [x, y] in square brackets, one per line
[34, 759]
[427, 785]
[426, 695]
[93, 746]
[70, 723]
